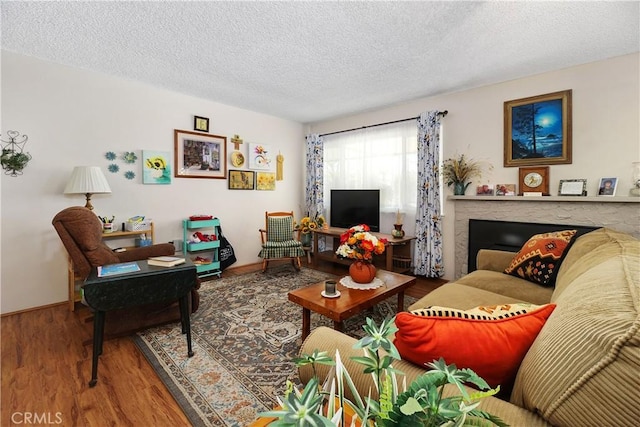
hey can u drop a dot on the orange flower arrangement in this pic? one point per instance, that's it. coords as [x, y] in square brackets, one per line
[358, 243]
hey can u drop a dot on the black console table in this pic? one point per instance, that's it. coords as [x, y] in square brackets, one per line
[149, 285]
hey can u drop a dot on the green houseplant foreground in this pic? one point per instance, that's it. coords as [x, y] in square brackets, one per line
[421, 404]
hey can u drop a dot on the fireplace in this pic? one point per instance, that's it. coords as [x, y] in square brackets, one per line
[509, 235]
[619, 213]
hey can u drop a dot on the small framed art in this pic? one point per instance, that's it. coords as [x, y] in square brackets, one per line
[484, 190]
[572, 187]
[505, 189]
[266, 181]
[156, 167]
[607, 187]
[201, 123]
[242, 180]
[200, 156]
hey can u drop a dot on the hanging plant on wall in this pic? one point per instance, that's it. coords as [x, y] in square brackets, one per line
[14, 159]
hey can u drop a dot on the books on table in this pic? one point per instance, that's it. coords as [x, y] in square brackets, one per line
[165, 261]
[121, 268]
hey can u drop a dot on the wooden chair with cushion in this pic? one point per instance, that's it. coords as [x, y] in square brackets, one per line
[81, 233]
[280, 240]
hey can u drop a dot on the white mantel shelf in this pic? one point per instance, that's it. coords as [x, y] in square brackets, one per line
[592, 199]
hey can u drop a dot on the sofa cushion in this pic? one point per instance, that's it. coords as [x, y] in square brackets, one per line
[506, 285]
[591, 345]
[490, 340]
[464, 297]
[540, 257]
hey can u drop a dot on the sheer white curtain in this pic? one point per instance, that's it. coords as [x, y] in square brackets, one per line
[381, 157]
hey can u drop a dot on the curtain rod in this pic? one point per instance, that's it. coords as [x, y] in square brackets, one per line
[440, 113]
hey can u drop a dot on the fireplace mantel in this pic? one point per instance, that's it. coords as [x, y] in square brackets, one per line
[542, 199]
[618, 213]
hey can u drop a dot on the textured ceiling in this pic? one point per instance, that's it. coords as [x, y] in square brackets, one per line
[310, 61]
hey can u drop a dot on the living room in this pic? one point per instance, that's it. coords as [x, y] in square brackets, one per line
[74, 116]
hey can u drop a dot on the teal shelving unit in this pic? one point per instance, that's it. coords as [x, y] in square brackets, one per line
[202, 249]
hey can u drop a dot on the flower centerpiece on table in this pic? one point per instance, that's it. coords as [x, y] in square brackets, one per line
[359, 244]
[459, 172]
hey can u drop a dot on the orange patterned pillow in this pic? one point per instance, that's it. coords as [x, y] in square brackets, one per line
[492, 341]
[539, 258]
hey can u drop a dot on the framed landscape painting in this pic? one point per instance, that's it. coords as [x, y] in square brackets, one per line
[537, 130]
[200, 156]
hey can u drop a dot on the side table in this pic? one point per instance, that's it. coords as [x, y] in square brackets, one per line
[149, 285]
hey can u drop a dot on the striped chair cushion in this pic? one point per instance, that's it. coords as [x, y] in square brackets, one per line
[279, 229]
[290, 248]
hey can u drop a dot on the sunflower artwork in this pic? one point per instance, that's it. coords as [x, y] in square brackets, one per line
[156, 167]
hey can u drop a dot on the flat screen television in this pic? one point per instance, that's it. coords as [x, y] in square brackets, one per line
[353, 207]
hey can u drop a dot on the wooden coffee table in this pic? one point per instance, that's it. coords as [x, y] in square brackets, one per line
[351, 301]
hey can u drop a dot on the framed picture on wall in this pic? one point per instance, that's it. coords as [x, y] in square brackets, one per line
[242, 180]
[156, 167]
[537, 130]
[266, 181]
[200, 156]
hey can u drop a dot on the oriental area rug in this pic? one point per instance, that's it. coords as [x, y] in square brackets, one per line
[245, 335]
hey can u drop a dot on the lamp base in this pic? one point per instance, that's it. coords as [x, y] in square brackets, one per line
[88, 205]
[634, 192]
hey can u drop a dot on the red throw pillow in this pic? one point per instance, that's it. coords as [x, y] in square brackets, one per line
[539, 258]
[492, 341]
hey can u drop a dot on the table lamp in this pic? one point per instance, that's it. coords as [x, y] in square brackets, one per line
[87, 180]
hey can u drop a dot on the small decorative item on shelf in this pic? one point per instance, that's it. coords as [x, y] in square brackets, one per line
[359, 244]
[397, 231]
[107, 224]
[14, 159]
[459, 171]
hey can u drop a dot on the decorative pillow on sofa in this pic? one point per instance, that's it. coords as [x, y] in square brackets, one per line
[539, 259]
[492, 341]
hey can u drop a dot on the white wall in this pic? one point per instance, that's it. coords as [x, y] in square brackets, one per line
[73, 117]
[606, 126]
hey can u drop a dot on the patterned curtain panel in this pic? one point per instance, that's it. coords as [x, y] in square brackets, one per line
[428, 250]
[314, 188]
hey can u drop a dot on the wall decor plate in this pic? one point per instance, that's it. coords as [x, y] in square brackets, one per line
[237, 159]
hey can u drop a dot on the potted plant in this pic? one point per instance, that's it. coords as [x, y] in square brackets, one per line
[421, 404]
[13, 161]
[459, 172]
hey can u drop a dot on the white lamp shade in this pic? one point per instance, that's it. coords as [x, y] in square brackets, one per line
[87, 179]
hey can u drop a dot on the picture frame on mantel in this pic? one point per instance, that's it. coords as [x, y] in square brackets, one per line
[572, 187]
[537, 130]
[199, 156]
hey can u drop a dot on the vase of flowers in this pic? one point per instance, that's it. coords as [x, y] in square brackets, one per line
[358, 244]
[459, 172]
[307, 225]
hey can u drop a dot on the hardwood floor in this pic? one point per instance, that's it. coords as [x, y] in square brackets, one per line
[46, 369]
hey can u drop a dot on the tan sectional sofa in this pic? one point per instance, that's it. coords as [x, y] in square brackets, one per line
[583, 368]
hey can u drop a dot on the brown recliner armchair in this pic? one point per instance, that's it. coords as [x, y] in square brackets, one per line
[81, 233]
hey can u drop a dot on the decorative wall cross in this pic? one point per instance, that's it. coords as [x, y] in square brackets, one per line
[236, 141]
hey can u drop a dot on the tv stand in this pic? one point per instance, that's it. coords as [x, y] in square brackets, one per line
[396, 249]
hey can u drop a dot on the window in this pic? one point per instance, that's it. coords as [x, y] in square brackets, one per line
[381, 157]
